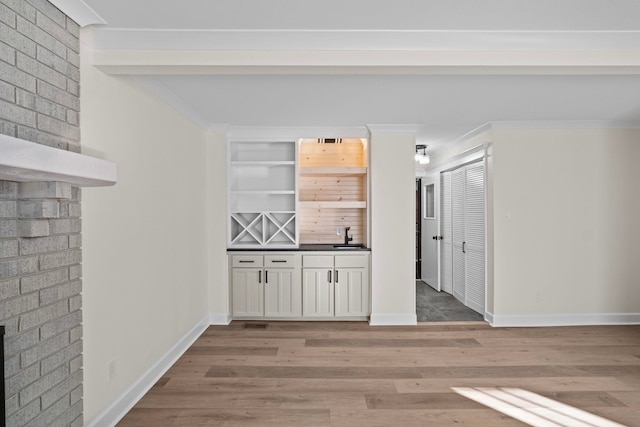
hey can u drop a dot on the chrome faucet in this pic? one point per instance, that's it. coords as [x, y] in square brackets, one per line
[347, 239]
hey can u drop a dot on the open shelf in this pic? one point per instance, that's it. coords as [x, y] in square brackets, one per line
[263, 228]
[333, 171]
[332, 190]
[262, 194]
[342, 204]
[248, 192]
[263, 163]
[262, 151]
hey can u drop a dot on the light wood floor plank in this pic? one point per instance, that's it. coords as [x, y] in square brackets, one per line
[535, 384]
[181, 417]
[285, 385]
[422, 418]
[168, 398]
[312, 372]
[211, 350]
[393, 343]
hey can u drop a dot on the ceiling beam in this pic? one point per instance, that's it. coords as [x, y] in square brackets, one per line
[197, 62]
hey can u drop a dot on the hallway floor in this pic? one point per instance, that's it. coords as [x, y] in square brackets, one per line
[434, 306]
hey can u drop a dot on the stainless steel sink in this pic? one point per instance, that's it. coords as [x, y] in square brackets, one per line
[349, 246]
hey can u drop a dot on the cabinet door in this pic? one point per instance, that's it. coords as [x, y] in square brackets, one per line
[352, 292]
[475, 237]
[248, 295]
[282, 293]
[446, 233]
[457, 223]
[317, 292]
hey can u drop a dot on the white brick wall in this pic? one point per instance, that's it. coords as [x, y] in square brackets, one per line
[40, 255]
[39, 74]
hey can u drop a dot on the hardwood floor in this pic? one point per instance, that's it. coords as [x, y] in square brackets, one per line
[353, 374]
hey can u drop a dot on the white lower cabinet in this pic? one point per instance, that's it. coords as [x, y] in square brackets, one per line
[352, 292]
[248, 295]
[282, 292]
[317, 291]
[266, 286]
[335, 286]
[297, 285]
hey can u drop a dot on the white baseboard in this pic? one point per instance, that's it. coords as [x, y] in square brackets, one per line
[398, 319]
[219, 319]
[534, 320]
[119, 408]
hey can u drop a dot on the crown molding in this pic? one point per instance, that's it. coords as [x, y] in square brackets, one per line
[269, 133]
[219, 128]
[158, 89]
[394, 128]
[564, 124]
[79, 11]
[488, 127]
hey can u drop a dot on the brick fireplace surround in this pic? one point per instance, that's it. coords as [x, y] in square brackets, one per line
[40, 226]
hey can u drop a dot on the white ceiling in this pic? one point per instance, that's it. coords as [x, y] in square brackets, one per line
[448, 105]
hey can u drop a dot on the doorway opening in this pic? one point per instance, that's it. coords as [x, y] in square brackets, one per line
[451, 284]
[418, 228]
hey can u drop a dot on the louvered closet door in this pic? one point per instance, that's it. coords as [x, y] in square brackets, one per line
[446, 251]
[457, 225]
[474, 236]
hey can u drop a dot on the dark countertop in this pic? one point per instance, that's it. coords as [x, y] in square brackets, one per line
[302, 248]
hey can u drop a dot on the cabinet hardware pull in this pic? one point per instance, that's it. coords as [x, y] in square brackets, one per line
[329, 276]
[266, 276]
[245, 261]
[463, 247]
[279, 260]
[260, 276]
[336, 276]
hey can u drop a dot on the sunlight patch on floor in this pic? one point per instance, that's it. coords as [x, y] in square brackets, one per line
[533, 409]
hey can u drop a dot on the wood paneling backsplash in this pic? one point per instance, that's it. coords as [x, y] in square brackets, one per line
[318, 221]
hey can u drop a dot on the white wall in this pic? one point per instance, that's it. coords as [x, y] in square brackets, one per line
[392, 227]
[144, 239]
[218, 268]
[569, 252]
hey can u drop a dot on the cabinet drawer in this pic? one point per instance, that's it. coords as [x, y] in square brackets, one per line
[358, 261]
[282, 261]
[317, 261]
[247, 260]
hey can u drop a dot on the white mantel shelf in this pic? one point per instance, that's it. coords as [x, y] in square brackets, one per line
[24, 161]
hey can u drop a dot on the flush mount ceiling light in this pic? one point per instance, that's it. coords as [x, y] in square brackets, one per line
[422, 157]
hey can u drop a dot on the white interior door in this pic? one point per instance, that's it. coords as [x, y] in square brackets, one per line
[462, 227]
[446, 247]
[474, 230]
[458, 234]
[430, 233]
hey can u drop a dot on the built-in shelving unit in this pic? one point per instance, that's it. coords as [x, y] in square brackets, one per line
[262, 194]
[332, 190]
